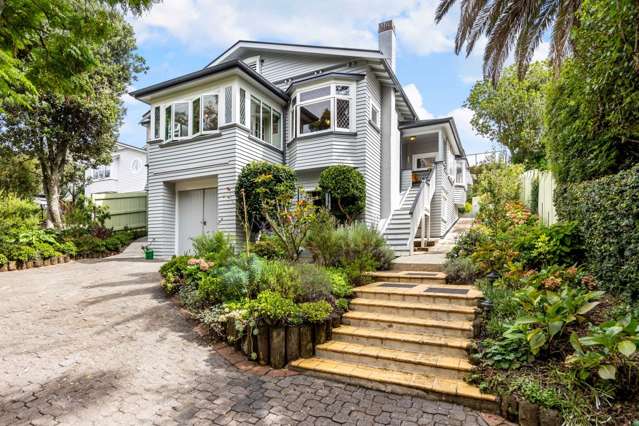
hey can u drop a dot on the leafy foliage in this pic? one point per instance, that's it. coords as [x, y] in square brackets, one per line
[215, 247]
[274, 308]
[346, 188]
[460, 270]
[20, 175]
[512, 112]
[259, 183]
[606, 214]
[290, 222]
[316, 311]
[498, 185]
[592, 119]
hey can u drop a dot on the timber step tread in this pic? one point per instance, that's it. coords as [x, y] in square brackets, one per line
[396, 319]
[454, 388]
[421, 339]
[416, 358]
[461, 309]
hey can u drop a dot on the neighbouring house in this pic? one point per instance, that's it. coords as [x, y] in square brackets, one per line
[126, 173]
[309, 107]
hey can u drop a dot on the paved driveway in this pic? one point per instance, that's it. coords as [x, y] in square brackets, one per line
[96, 342]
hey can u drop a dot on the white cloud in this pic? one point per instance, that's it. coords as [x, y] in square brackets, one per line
[418, 31]
[541, 52]
[469, 79]
[471, 141]
[415, 98]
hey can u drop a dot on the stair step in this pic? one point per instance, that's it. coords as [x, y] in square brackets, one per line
[420, 277]
[410, 342]
[408, 324]
[399, 382]
[392, 359]
[438, 294]
[414, 310]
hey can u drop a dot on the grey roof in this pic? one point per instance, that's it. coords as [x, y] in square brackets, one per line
[224, 66]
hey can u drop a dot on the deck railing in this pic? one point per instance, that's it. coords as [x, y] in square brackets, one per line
[420, 211]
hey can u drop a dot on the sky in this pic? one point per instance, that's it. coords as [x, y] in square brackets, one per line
[180, 36]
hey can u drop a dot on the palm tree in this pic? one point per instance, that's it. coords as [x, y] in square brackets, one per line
[513, 23]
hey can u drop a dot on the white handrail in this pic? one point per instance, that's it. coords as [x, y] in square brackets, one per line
[420, 207]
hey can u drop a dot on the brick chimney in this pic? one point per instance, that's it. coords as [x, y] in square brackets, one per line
[388, 41]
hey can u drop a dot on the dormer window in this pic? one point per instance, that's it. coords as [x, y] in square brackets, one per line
[254, 63]
[323, 108]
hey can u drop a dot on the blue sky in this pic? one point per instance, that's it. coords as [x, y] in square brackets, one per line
[181, 36]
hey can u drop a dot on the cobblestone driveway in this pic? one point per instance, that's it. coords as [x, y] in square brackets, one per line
[96, 342]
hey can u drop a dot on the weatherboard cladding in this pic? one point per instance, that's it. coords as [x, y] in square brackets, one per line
[222, 156]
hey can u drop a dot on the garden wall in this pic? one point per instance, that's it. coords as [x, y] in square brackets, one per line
[607, 213]
[127, 209]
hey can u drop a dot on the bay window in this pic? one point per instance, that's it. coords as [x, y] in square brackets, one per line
[210, 110]
[266, 123]
[180, 120]
[195, 108]
[325, 108]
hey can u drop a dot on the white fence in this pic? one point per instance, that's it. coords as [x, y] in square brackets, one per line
[545, 207]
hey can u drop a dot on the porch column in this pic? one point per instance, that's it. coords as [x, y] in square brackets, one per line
[441, 147]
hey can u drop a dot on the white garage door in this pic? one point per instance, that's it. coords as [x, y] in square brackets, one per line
[197, 214]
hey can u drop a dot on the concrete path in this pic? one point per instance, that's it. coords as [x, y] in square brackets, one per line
[96, 342]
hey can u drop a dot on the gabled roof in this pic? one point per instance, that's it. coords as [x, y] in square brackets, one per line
[206, 72]
[236, 50]
[123, 145]
[435, 122]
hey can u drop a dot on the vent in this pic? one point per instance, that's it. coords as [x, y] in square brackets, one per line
[228, 104]
[391, 285]
[445, 290]
[253, 63]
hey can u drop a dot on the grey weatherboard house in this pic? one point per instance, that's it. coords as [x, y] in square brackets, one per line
[309, 107]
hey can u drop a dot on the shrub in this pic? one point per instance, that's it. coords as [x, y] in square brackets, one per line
[231, 285]
[347, 190]
[258, 183]
[362, 249]
[274, 308]
[269, 247]
[606, 213]
[461, 270]
[497, 186]
[215, 247]
[281, 278]
[316, 311]
[290, 221]
[176, 266]
[3, 259]
[468, 241]
[315, 282]
[340, 287]
[321, 240]
[17, 215]
[84, 213]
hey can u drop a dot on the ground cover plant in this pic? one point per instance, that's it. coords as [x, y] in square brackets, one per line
[550, 335]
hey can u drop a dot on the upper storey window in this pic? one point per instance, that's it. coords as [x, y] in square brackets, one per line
[265, 122]
[324, 108]
[190, 117]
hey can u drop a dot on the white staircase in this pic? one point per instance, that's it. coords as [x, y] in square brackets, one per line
[397, 233]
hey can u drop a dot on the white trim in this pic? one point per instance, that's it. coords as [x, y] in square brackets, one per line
[254, 60]
[332, 98]
[373, 104]
[343, 52]
[423, 155]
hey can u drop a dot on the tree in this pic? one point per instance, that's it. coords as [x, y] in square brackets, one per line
[512, 112]
[48, 46]
[60, 129]
[347, 190]
[19, 175]
[512, 23]
[592, 115]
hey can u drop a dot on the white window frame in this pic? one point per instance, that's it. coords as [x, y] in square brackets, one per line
[156, 130]
[375, 105]
[462, 181]
[424, 155]
[250, 96]
[332, 98]
[95, 173]
[189, 116]
[219, 102]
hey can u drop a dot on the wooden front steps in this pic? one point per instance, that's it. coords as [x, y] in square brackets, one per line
[409, 333]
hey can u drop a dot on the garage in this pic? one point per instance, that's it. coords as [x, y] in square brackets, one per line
[196, 213]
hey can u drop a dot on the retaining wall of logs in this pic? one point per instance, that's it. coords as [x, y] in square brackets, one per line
[14, 265]
[278, 345]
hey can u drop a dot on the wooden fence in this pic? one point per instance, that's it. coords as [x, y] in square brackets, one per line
[545, 206]
[127, 209]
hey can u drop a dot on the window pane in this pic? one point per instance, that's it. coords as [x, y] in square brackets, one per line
[168, 135]
[277, 130]
[107, 171]
[374, 114]
[343, 113]
[243, 107]
[315, 93]
[181, 117]
[255, 117]
[196, 116]
[209, 110]
[228, 104]
[266, 123]
[156, 123]
[315, 117]
[342, 90]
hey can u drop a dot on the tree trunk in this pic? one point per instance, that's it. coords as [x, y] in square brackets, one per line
[52, 192]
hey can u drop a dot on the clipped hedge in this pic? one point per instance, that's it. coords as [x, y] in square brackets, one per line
[607, 213]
